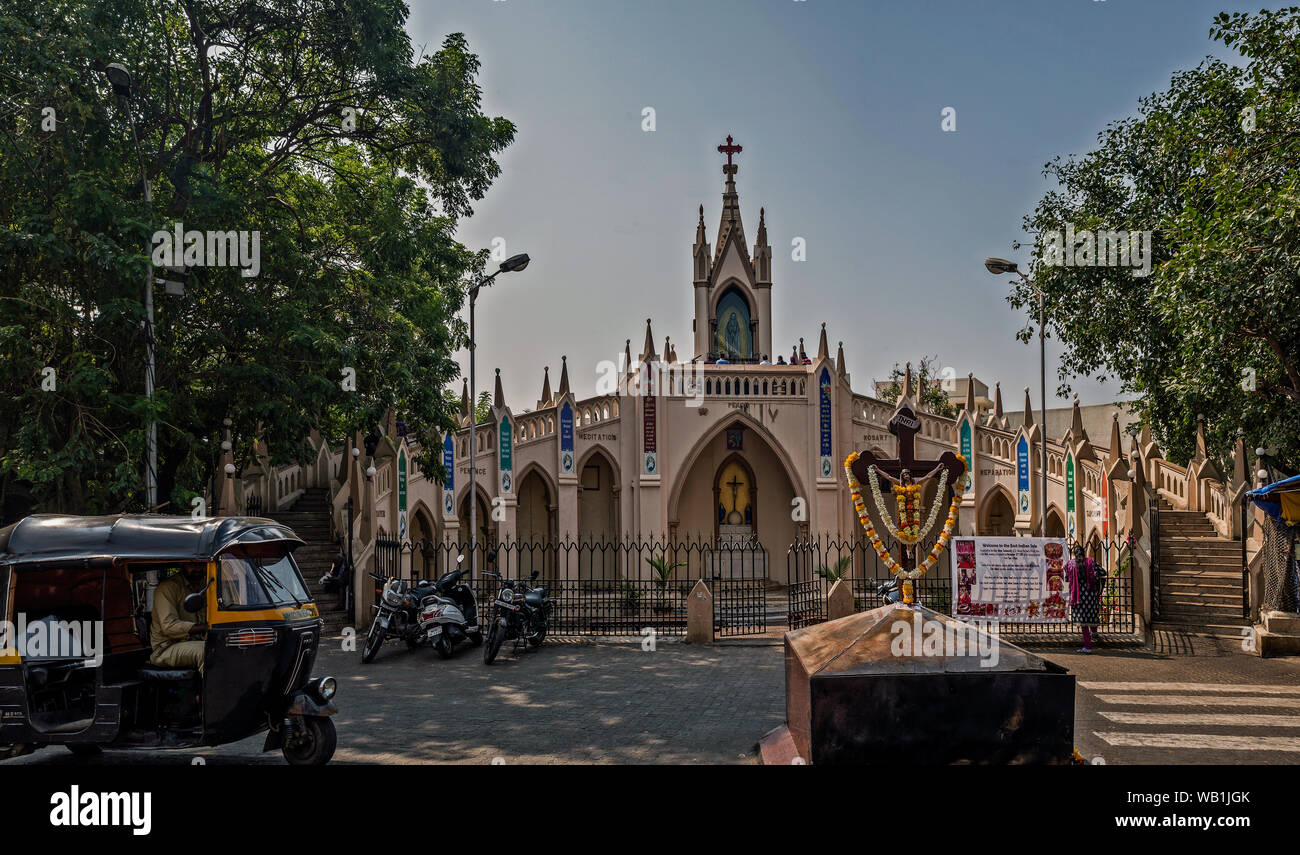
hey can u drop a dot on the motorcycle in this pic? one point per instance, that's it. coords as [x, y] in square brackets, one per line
[449, 615]
[519, 613]
[397, 614]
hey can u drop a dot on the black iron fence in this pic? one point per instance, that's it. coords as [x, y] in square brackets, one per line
[603, 587]
[814, 564]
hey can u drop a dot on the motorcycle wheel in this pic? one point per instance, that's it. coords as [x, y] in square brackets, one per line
[538, 637]
[496, 637]
[374, 641]
[444, 646]
[316, 746]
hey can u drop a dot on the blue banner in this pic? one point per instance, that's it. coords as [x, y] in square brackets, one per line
[1022, 474]
[566, 438]
[824, 387]
[448, 462]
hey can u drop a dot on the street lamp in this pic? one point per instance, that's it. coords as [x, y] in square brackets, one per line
[999, 266]
[120, 79]
[513, 264]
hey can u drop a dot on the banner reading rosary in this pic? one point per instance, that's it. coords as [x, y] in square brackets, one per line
[1016, 579]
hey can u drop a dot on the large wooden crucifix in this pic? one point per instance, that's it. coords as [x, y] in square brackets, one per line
[906, 468]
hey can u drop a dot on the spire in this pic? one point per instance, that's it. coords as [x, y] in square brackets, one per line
[996, 417]
[839, 360]
[1029, 411]
[802, 355]
[700, 252]
[729, 225]
[648, 354]
[908, 391]
[564, 376]
[1077, 433]
[970, 394]
[1239, 478]
[762, 253]
[1116, 450]
[668, 349]
[546, 399]
[823, 351]
[499, 399]
[1201, 451]
[627, 357]
[464, 401]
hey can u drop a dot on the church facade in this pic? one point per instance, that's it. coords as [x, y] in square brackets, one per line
[731, 444]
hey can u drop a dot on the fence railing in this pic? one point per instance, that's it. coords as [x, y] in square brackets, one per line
[603, 587]
[857, 562]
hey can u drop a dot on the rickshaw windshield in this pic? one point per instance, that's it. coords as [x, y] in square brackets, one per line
[250, 581]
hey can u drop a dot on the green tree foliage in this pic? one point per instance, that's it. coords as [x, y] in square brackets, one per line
[929, 394]
[1210, 166]
[313, 123]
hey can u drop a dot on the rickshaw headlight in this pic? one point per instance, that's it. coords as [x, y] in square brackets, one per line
[328, 686]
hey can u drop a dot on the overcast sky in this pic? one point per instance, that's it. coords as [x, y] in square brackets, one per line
[838, 106]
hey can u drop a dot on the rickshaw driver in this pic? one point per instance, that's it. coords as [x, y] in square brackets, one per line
[174, 633]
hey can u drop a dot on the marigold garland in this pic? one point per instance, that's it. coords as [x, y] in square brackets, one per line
[907, 521]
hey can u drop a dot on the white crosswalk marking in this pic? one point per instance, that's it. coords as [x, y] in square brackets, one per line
[1190, 687]
[1260, 720]
[1198, 700]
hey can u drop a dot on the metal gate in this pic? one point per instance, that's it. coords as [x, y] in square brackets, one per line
[387, 562]
[736, 573]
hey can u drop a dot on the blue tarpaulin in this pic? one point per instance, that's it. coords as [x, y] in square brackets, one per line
[1280, 500]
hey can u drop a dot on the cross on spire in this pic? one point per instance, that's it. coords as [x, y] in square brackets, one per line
[729, 149]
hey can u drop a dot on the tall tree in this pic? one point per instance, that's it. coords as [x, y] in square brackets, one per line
[313, 125]
[1210, 167]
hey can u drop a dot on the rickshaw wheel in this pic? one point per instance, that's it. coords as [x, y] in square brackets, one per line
[85, 749]
[316, 745]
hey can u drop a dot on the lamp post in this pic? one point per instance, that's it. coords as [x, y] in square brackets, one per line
[513, 264]
[120, 79]
[998, 266]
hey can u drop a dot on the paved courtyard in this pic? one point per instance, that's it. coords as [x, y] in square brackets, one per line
[1179, 700]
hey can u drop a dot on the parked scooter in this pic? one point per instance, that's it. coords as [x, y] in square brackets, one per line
[397, 614]
[519, 613]
[449, 615]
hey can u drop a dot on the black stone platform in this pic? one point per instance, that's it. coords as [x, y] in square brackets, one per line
[851, 699]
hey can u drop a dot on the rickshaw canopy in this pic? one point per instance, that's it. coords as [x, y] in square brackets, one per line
[61, 539]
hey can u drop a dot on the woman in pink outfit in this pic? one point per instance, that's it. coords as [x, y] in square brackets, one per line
[1085, 579]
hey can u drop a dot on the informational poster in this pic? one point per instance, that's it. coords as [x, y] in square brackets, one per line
[1022, 475]
[505, 449]
[1013, 579]
[449, 486]
[566, 438]
[824, 385]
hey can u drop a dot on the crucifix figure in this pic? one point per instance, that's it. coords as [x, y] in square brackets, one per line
[904, 425]
[735, 484]
[729, 150]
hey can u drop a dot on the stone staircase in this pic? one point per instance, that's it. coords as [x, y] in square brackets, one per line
[309, 517]
[1200, 577]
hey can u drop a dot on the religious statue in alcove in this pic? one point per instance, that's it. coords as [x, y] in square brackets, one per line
[906, 478]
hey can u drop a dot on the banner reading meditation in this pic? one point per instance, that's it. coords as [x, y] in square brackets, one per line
[1016, 579]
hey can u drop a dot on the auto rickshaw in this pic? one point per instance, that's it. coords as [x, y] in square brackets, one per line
[62, 577]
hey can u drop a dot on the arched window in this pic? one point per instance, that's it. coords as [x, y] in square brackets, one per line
[733, 339]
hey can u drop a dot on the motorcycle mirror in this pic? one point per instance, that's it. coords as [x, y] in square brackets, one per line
[535, 575]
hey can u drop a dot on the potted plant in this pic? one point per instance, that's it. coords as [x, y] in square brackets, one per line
[663, 575]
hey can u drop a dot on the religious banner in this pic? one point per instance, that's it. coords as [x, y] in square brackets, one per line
[504, 453]
[401, 494]
[449, 486]
[649, 438]
[1015, 579]
[968, 483]
[824, 384]
[566, 438]
[1022, 475]
[1071, 518]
